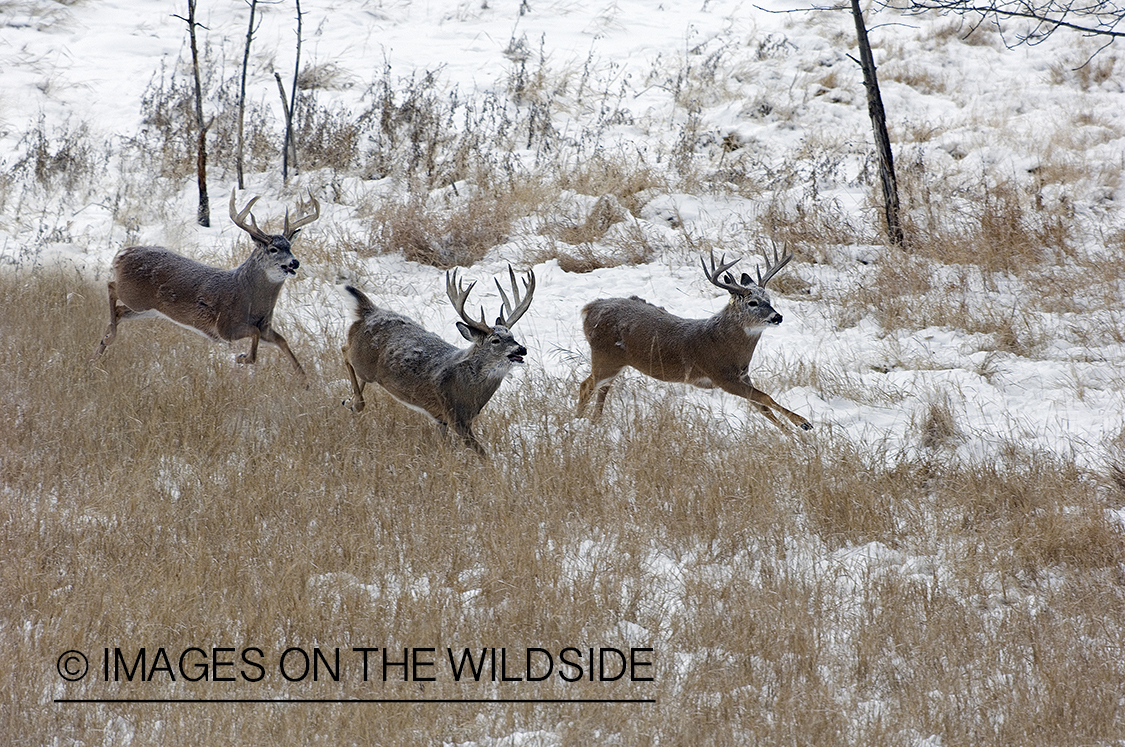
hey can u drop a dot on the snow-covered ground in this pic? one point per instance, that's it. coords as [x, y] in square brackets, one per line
[788, 89]
[778, 86]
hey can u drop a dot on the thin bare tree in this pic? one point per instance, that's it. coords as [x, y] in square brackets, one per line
[204, 214]
[888, 180]
[250, 29]
[289, 151]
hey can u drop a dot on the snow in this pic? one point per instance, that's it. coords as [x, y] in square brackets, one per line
[792, 85]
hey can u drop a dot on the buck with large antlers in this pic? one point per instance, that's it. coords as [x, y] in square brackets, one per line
[218, 303]
[426, 373]
[708, 353]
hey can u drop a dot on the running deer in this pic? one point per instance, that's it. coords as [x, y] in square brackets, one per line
[707, 353]
[217, 303]
[424, 372]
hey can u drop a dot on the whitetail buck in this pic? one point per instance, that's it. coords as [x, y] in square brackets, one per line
[426, 373]
[708, 353]
[218, 303]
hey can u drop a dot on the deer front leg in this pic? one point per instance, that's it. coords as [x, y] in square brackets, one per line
[273, 337]
[585, 390]
[465, 431]
[252, 355]
[769, 404]
[766, 404]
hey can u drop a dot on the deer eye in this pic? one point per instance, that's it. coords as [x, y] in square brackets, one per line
[273, 250]
[753, 304]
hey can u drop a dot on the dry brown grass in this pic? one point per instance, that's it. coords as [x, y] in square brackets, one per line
[456, 234]
[171, 498]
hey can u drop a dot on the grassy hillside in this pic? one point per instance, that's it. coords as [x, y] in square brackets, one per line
[791, 589]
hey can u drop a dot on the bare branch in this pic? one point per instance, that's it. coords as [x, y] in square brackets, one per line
[1092, 18]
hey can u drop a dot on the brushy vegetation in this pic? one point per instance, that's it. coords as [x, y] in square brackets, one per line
[796, 590]
[169, 497]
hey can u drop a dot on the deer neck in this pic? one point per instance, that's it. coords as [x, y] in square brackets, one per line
[729, 330]
[260, 292]
[476, 376]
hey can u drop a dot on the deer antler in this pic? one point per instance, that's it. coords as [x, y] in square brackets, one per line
[290, 229]
[727, 283]
[772, 268]
[457, 296]
[521, 305]
[239, 219]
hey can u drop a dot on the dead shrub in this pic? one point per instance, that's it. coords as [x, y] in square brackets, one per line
[939, 426]
[445, 237]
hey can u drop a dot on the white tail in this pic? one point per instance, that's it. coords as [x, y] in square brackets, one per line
[218, 303]
[426, 373]
[713, 352]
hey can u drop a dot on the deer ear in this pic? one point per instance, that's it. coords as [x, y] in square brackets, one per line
[746, 279]
[728, 278]
[468, 332]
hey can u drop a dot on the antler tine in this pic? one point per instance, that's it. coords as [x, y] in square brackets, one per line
[521, 304]
[239, 219]
[772, 268]
[458, 295]
[715, 271]
[291, 229]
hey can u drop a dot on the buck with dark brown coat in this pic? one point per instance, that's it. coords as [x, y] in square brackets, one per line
[707, 353]
[217, 303]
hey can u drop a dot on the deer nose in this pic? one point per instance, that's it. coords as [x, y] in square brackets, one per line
[776, 318]
[297, 263]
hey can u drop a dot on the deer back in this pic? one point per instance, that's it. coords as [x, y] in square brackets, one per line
[422, 370]
[212, 300]
[400, 355]
[633, 332]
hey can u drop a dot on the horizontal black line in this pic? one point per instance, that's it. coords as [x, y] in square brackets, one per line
[356, 700]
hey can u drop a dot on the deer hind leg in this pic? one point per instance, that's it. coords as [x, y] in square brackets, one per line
[357, 404]
[594, 383]
[117, 312]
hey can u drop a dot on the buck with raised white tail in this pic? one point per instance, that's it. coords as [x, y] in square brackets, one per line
[217, 303]
[423, 371]
[707, 353]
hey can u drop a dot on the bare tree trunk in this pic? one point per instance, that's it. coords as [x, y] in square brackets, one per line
[242, 94]
[290, 108]
[879, 125]
[288, 128]
[204, 215]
